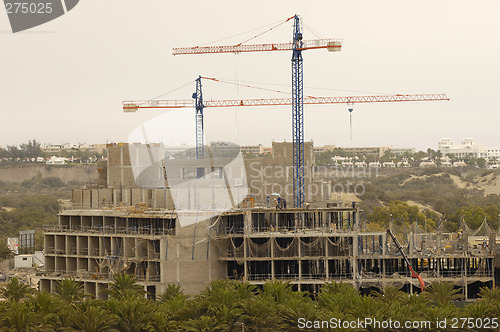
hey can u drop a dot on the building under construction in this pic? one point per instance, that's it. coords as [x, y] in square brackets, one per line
[118, 227]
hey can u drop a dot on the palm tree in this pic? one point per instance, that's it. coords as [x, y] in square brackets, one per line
[368, 307]
[295, 309]
[418, 305]
[278, 291]
[48, 308]
[492, 298]
[479, 309]
[19, 317]
[488, 294]
[389, 294]
[125, 286]
[441, 293]
[161, 322]
[445, 311]
[190, 309]
[134, 314]
[203, 324]
[92, 317]
[15, 291]
[71, 290]
[171, 292]
[338, 297]
[258, 316]
[222, 300]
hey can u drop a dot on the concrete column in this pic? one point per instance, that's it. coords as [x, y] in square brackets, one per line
[299, 248]
[245, 255]
[411, 243]
[177, 263]
[271, 239]
[327, 254]
[354, 259]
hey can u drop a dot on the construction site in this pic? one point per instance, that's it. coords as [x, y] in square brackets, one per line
[194, 218]
[118, 227]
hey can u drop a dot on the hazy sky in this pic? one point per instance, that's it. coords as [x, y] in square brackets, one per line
[64, 81]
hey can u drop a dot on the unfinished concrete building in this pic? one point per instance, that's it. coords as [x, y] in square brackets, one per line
[311, 247]
[118, 227]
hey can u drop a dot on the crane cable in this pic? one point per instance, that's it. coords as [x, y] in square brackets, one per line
[242, 33]
[166, 93]
[249, 86]
[260, 34]
[316, 33]
[310, 87]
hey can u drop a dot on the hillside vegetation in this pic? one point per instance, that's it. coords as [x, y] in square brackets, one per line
[436, 194]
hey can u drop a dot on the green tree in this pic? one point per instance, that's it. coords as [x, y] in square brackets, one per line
[397, 211]
[125, 286]
[171, 292]
[15, 291]
[48, 308]
[258, 316]
[91, 317]
[481, 163]
[5, 252]
[204, 324]
[19, 317]
[473, 215]
[71, 290]
[442, 293]
[134, 314]
[14, 152]
[31, 149]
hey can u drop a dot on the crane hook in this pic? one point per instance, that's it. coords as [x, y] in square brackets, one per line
[350, 120]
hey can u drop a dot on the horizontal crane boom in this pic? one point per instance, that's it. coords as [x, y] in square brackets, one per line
[333, 45]
[132, 106]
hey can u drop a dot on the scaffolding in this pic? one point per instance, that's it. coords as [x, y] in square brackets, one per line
[309, 247]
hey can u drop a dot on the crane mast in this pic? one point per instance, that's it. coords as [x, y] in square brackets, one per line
[198, 104]
[298, 115]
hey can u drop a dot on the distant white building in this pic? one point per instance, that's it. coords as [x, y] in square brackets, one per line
[402, 150]
[427, 163]
[446, 164]
[459, 164]
[23, 261]
[468, 149]
[56, 161]
[29, 260]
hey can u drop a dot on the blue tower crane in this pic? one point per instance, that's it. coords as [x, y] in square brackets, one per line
[298, 115]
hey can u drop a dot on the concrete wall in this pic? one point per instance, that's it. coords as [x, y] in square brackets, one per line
[81, 173]
[111, 198]
[119, 169]
[23, 261]
[193, 269]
